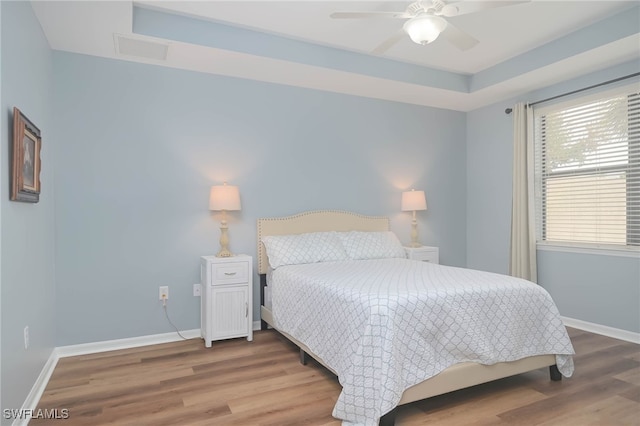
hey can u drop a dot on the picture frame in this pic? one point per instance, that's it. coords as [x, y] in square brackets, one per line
[25, 170]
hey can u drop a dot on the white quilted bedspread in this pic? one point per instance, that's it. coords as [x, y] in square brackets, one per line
[386, 325]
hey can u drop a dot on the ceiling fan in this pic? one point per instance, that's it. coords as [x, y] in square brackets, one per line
[426, 21]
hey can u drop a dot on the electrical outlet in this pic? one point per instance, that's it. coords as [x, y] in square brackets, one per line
[26, 337]
[197, 290]
[164, 292]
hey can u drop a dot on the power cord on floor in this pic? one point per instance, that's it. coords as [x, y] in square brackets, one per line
[166, 313]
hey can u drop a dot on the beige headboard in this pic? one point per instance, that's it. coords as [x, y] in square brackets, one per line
[315, 221]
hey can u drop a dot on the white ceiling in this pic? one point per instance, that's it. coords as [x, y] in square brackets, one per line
[504, 33]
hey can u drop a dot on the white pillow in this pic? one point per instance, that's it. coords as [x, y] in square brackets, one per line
[303, 248]
[371, 245]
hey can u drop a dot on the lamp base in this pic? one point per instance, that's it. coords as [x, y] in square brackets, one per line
[224, 253]
[224, 239]
[414, 233]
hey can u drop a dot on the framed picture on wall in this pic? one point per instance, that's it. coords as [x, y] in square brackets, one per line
[25, 173]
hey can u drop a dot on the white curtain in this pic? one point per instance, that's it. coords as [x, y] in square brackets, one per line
[523, 262]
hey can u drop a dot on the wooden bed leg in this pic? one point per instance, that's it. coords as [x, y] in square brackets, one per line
[304, 357]
[555, 373]
[389, 419]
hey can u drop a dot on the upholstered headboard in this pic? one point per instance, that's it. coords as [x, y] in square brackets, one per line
[315, 221]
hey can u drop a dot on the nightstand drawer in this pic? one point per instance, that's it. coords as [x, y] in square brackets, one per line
[423, 253]
[230, 273]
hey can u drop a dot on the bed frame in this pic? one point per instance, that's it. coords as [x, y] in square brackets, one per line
[456, 377]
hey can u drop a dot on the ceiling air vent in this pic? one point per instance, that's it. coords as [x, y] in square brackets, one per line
[140, 48]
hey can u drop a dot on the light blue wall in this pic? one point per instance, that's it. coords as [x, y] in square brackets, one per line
[600, 289]
[140, 145]
[27, 230]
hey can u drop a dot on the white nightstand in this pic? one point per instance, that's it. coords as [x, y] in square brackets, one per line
[424, 253]
[227, 294]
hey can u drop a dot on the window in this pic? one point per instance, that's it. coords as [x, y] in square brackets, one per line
[587, 170]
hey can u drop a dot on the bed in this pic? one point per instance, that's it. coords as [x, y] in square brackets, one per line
[319, 305]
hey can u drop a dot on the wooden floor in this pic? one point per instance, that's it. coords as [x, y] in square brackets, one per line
[262, 383]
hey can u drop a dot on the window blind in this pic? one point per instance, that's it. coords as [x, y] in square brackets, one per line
[587, 170]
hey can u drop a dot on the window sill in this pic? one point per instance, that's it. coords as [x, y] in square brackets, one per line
[604, 251]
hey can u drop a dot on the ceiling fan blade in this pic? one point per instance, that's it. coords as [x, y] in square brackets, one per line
[473, 6]
[388, 43]
[458, 38]
[357, 15]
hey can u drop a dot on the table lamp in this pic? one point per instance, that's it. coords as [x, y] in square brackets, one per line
[412, 201]
[224, 198]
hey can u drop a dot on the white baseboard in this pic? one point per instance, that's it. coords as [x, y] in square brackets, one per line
[616, 333]
[31, 402]
[131, 342]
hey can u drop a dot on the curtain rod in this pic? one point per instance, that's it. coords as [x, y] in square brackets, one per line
[509, 110]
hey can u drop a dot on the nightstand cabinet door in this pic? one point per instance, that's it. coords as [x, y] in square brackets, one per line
[227, 295]
[229, 311]
[424, 254]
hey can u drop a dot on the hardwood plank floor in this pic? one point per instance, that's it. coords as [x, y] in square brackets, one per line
[262, 383]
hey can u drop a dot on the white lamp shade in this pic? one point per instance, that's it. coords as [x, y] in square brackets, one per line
[424, 29]
[413, 200]
[224, 197]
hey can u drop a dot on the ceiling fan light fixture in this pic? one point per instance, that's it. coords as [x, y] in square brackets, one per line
[424, 29]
